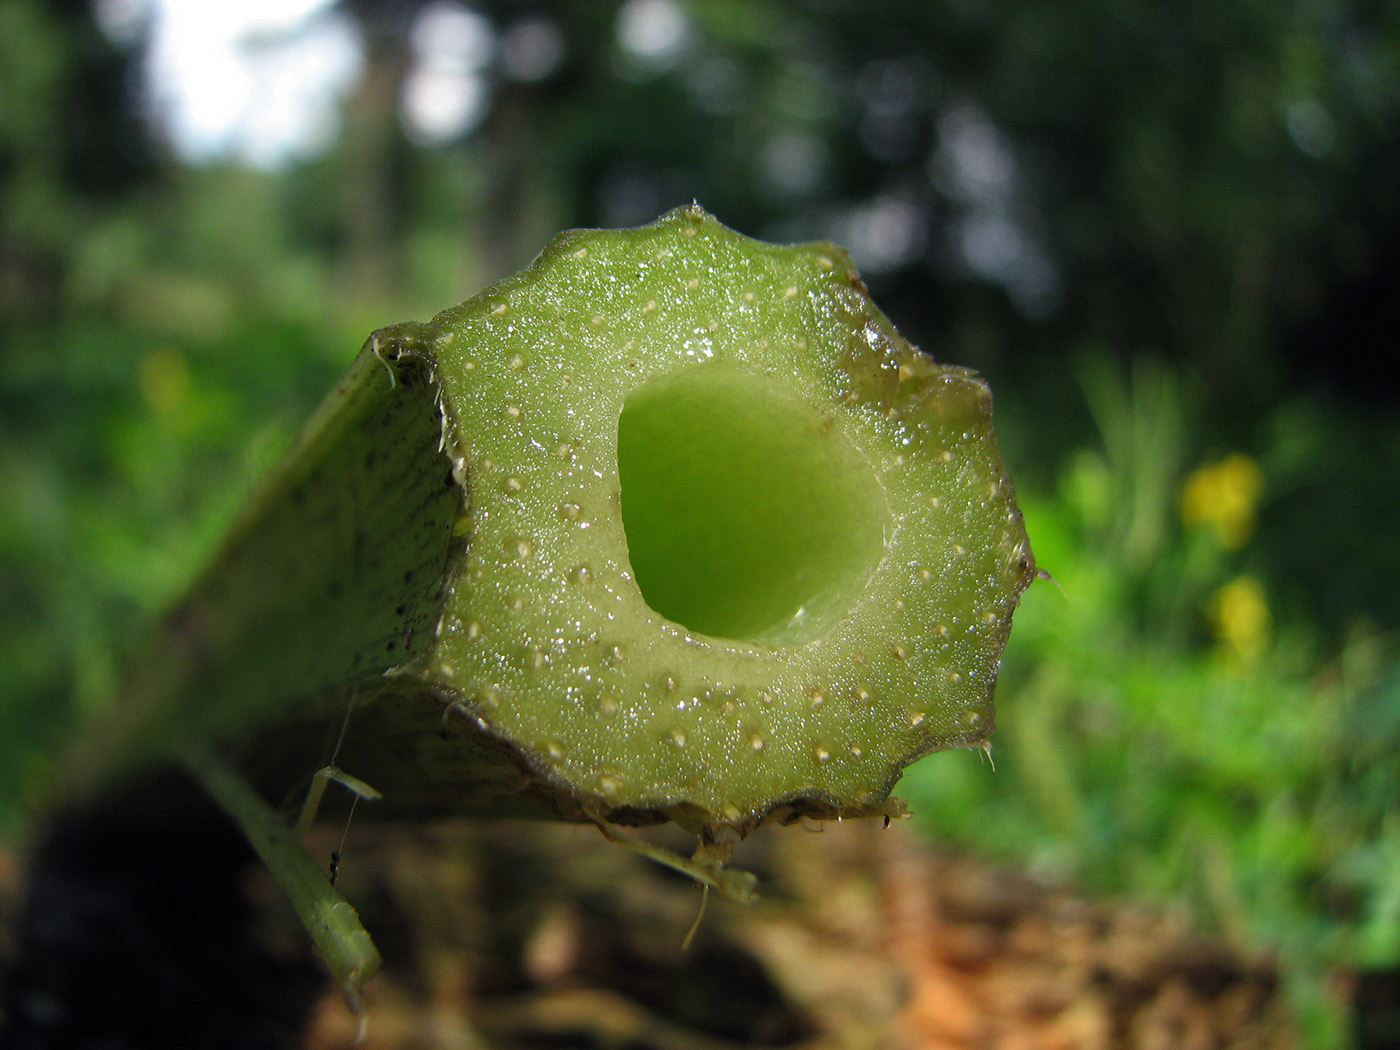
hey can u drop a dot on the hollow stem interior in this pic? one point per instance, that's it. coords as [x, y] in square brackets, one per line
[749, 514]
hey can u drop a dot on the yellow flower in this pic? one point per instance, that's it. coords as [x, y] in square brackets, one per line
[1242, 620]
[164, 380]
[1223, 496]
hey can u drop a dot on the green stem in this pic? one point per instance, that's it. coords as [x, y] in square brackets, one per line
[335, 568]
[330, 919]
[672, 525]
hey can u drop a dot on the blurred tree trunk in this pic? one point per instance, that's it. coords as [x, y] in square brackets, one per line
[373, 153]
[518, 214]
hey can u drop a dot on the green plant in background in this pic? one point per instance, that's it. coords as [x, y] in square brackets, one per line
[1169, 731]
[672, 526]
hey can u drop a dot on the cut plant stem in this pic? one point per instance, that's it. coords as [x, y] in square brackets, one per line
[672, 525]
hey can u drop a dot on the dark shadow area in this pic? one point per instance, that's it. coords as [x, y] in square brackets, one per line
[138, 932]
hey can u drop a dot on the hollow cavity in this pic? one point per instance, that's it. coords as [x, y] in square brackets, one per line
[749, 514]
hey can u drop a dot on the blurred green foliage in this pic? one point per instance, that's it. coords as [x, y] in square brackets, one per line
[1169, 727]
[1169, 234]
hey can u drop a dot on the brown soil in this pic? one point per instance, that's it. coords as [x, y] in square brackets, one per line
[520, 936]
[146, 926]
